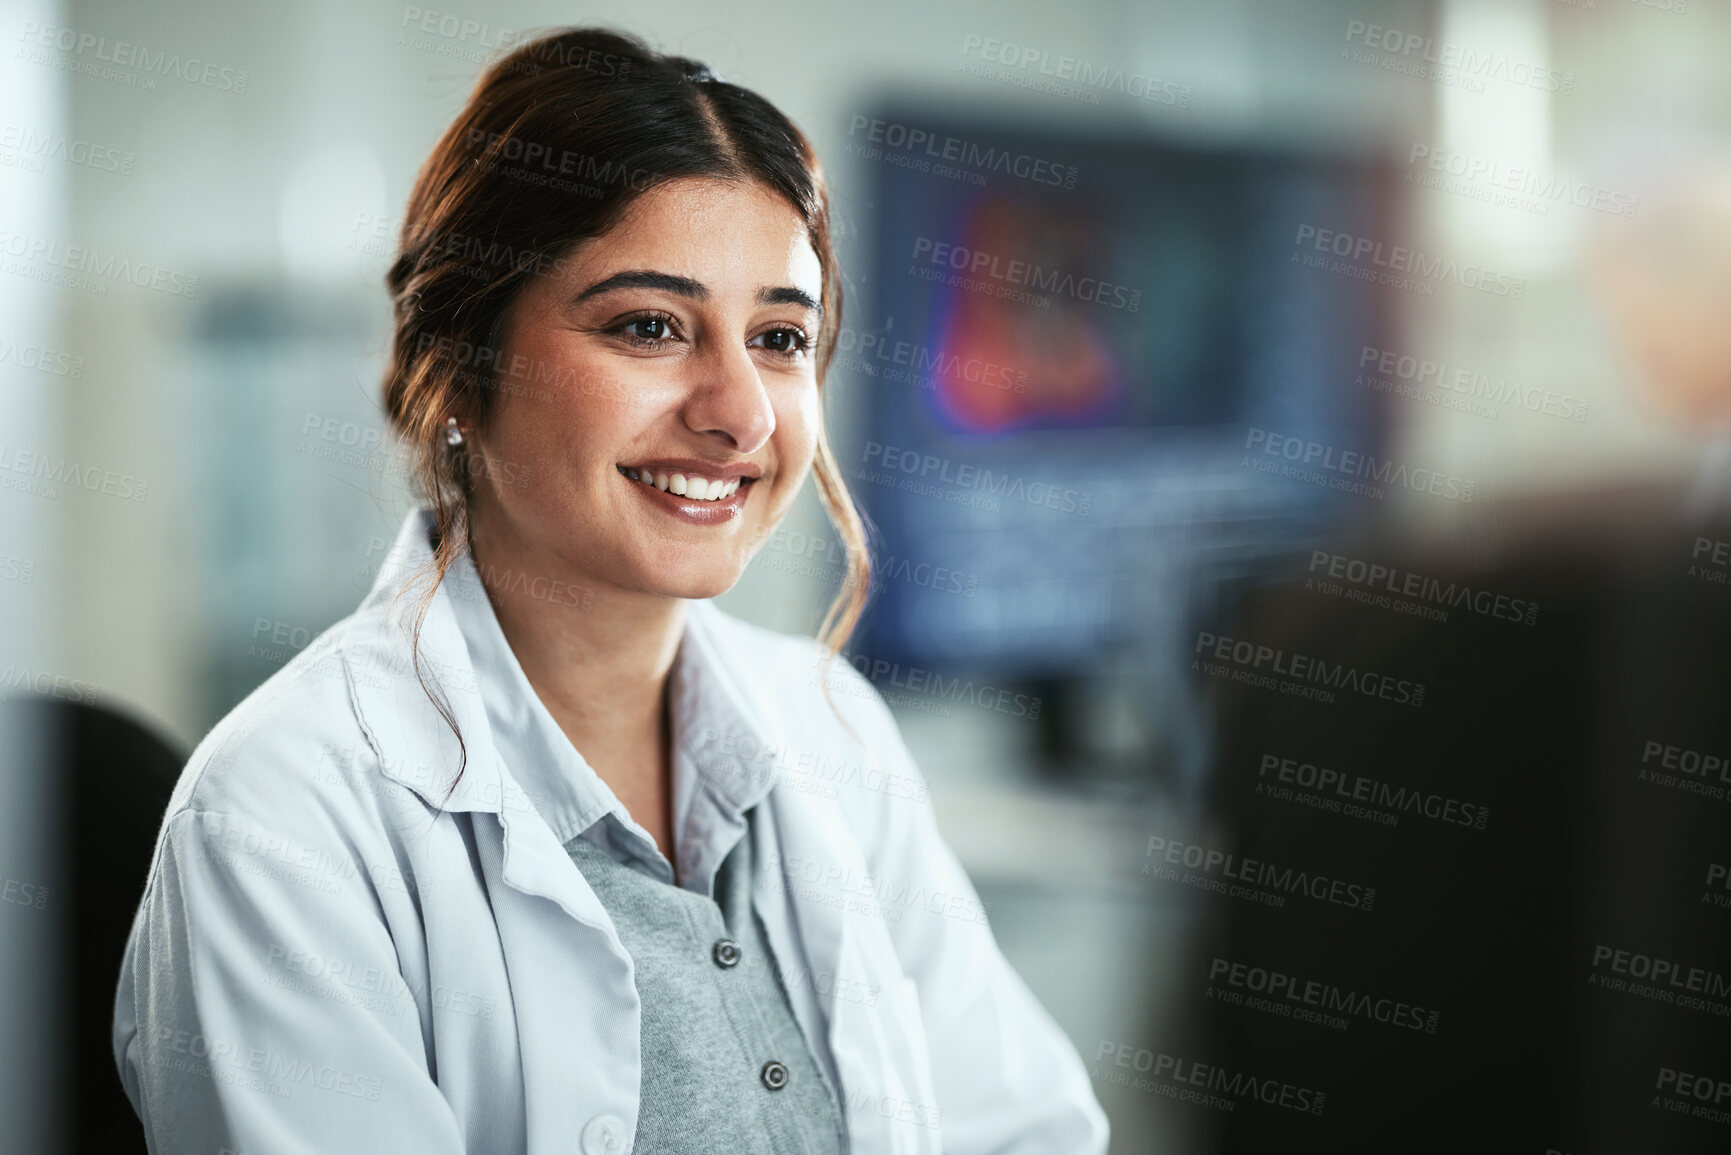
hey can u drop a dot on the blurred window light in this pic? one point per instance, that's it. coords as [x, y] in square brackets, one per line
[326, 194]
[1495, 123]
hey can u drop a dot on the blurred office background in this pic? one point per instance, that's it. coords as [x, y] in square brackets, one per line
[1488, 241]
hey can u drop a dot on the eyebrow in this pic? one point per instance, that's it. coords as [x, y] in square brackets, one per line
[691, 289]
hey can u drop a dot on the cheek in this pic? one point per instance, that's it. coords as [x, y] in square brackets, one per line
[797, 427]
[558, 438]
[576, 438]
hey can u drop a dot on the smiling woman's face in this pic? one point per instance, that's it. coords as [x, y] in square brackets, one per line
[678, 348]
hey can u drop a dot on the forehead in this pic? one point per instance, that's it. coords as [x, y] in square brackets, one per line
[727, 234]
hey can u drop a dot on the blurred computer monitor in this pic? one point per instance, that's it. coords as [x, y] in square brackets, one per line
[1066, 343]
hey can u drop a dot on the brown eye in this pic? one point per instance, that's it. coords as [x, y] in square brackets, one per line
[785, 341]
[646, 329]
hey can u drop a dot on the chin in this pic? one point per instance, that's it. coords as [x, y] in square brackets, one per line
[694, 582]
[698, 591]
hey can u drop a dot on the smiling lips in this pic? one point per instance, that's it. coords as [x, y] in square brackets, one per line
[680, 480]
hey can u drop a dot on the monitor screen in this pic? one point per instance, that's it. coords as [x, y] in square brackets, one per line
[1065, 345]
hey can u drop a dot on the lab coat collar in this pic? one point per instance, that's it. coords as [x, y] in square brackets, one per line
[531, 747]
[721, 737]
[415, 743]
[713, 721]
[415, 747]
[709, 801]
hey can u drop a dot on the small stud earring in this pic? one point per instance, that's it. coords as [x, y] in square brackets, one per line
[453, 435]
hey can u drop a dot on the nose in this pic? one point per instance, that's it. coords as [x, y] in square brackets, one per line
[727, 400]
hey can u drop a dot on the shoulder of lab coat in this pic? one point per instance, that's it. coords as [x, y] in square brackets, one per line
[1006, 1077]
[272, 852]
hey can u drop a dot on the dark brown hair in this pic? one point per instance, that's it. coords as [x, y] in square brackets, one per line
[557, 140]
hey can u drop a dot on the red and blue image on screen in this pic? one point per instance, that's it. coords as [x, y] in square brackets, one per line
[1058, 377]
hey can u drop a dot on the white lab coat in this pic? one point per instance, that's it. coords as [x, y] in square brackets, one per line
[325, 961]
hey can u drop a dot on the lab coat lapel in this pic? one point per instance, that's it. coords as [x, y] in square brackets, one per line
[578, 1013]
[417, 746]
[871, 1009]
[810, 840]
[870, 1012]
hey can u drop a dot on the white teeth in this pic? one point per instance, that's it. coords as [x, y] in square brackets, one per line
[696, 488]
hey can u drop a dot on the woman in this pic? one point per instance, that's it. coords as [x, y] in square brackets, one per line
[538, 850]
